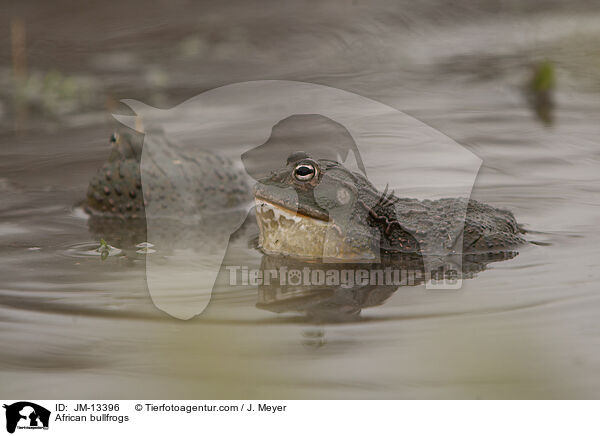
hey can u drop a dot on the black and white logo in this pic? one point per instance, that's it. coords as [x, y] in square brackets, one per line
[26, 415]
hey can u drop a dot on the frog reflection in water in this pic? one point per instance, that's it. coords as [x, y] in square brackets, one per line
[338, 292]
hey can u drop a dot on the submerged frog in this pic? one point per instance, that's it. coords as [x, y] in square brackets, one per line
[318, 209]
[165, 184]
[116, 190]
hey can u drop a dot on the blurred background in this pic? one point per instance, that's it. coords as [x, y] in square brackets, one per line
[516, 82]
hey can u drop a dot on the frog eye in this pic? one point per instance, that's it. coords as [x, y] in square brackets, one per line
[114, 137]
[304, 172]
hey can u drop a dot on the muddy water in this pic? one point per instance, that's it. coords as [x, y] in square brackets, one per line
[72, 325]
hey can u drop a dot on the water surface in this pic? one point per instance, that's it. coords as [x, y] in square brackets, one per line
[72, 325]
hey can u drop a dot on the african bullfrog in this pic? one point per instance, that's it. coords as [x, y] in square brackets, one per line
[319, 209]
[188, 197]
[209, 180]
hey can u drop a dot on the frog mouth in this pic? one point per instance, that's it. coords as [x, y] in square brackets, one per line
[291, 233]
[262, 204]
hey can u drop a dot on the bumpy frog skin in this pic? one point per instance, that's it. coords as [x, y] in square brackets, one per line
[204, 182]
[318, 209]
